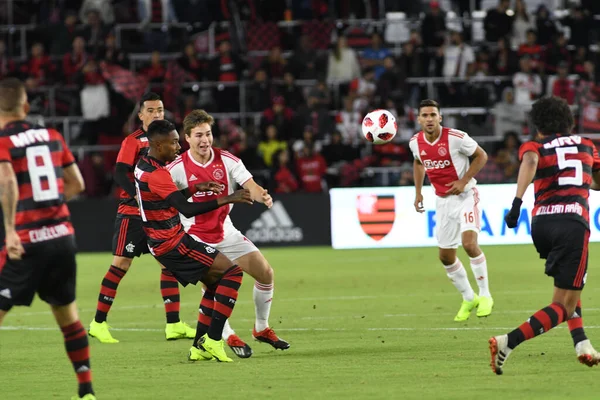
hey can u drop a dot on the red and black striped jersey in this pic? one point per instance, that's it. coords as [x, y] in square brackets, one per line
[161, 222]
[563, 177]
[133, 147]
[38, 156]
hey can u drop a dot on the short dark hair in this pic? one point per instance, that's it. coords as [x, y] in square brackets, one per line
[552, 115]
[428, 103]
[158, 128]
[150, 96]
[12, 91]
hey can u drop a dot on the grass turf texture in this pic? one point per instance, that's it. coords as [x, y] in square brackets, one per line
[371, 324]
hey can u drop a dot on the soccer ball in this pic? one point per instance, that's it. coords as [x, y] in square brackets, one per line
[379, 126]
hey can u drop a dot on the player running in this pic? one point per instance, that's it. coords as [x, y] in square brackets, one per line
[562, 167]
[129, 239]
[202, 162]
[38, 175]
[443, 154]
[188, 260]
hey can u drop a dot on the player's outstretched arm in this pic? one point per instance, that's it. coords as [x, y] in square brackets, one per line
[419, 178]
[180, 203]
[74, 183]
[258, 193]
[9, 197]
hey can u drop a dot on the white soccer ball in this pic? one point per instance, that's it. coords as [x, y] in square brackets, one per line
[379, 126]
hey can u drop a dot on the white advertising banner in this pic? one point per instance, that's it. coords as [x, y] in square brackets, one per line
[385, 217]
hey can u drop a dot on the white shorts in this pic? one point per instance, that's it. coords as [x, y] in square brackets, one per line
[234, 244]
[455, 215]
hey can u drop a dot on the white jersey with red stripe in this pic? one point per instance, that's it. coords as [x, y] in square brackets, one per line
[222, 167]
[446, 159]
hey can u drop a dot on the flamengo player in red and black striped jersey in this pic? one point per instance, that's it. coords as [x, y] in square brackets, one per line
[129, 239]
[563, 168]
[190, 261]
[38, 175]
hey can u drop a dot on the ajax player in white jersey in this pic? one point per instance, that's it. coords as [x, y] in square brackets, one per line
[443, 154]
[203, 163]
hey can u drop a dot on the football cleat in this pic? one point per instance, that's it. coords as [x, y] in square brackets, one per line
[213, 347]
[239, 347]
[196, 354]
[484, 308]
[179, 330]
[88, 396]
[499, 352]
[269, 336]
[100, 331]
[586, 354]
[465, 309]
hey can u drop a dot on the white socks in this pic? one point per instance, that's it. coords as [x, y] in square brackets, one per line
[227, 331]
[263, 297]
[479, 267]
[457, 274]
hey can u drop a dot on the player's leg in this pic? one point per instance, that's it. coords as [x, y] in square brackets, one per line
[169, 290]
[583, 347]
[448, 237]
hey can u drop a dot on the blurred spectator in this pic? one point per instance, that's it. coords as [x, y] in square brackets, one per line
[226, 67]
[94, 32]
[546, 28]
[274, 64]
[482, 93]
[156, 70]
[580, 24]
[504, 60]
[337, 152]
[7, 66]
[390, 85]
[248, 153]
[372, 57]
[349, 123]
[311, 168]
[283, 179]
[64, 34]
[433, 27]
[342, 65]
[579, 59]
[315, 116]
[73, 62]
[260, 92]
[97, 183]
[509, 115]
[94, 100]
[270, 145]
[280, 116]
[190, 63]
[321, 94]
[155, 12]
[564, 87]
[38, 69]
[587, 86]
[189, 104]
[308, 140]
[304, 61]
[111, 54]
[557, 53]
[458, 57]
[363, 90]
[291, 92]
[406, 175]
[533, 50]
[103, 7]
[527, 84]
[507, 156]
[523, 22]
[498, 23]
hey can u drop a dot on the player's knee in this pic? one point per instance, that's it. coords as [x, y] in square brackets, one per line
[66, 314]
[471, 248]
[2, 314]
[266, 275]
[122, 263]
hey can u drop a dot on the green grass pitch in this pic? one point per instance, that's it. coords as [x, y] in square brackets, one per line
[363, 324]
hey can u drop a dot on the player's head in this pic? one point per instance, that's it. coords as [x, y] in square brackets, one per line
[164, 140]
[552, 115]
[13, 99]
[151, 109]
[197, 127]
[429, 116]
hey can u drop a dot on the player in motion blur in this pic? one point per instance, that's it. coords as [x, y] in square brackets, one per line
[188, 260]
[38, 175]
[443, 154]
[202, 162]
[562, 167]
[129, 239]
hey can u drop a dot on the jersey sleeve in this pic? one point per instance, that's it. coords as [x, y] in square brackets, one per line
[5, 146]
[596, 165]
[468, 145]
[528, 146]
[67, 156]
[414, 149]
[160, 183]
[178, 175]
[237, 170]
[129, 150]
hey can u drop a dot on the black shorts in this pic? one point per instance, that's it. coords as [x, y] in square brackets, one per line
[189, 261]
[129, 239]
[563, 243]
[48, 269]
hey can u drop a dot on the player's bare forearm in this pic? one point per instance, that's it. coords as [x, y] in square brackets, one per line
[595, 180]
[74, 183]
[9, 195]
[418, 175]
[480, 157]
[526, 172]
[255, 190]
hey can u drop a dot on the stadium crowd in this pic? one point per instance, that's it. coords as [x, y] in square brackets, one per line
[303, 77]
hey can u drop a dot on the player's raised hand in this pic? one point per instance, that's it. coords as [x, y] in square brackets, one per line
[266, 198]
[214, 187]
[456, 187]
[14, 248]
[419, 203]
[240, 196]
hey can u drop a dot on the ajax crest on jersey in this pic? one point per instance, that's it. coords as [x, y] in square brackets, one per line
[218, 174]
[376, 214]
[379, 126]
